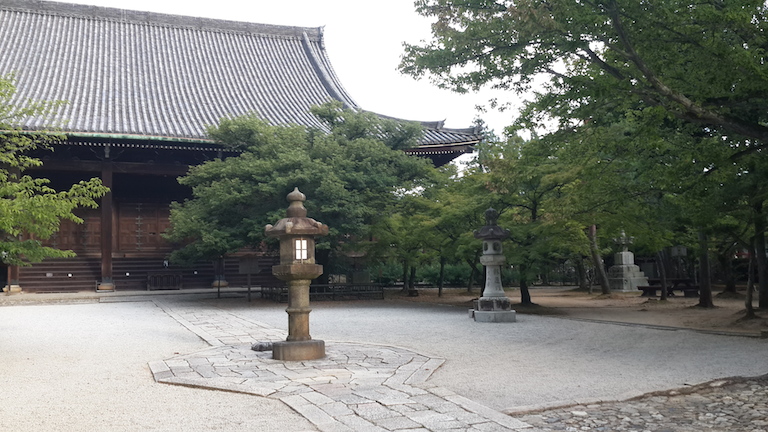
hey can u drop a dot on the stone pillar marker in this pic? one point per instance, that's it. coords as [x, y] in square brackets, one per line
[297, 267]
[494, 305]
[624, 275]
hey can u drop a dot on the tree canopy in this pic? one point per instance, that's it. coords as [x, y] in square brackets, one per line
[701, 62]
[30, 210]
[659, 107]
[352, 174]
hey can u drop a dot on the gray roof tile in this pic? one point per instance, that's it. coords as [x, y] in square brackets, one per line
[167, 76]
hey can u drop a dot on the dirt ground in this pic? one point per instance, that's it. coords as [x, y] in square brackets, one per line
[727, 316]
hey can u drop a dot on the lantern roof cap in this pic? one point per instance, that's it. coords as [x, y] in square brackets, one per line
[296, 221]
[491, 230]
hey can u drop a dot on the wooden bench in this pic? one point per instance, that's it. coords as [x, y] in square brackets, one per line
[687, 290]
[164, 279]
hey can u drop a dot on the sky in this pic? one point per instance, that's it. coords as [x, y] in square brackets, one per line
[363, 39]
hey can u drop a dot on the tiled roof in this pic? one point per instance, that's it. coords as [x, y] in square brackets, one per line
[157, 76]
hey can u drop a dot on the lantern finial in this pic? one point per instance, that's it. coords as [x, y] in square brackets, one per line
[296, 206]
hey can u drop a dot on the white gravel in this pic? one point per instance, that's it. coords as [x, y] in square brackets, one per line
[83, 367]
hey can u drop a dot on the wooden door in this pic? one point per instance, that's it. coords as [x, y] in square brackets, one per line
[140, 226]
[82, 238]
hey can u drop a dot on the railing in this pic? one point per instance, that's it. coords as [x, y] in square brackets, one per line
[162, 279]
[329, 292]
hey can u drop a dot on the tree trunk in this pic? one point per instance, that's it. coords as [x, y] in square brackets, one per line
[471, 279]
[762, 280]
[545, 278]
[441, 277]
[525, 294]
[581, 272]
[323, 257]
[597, 260]
[726, 267]
[405, 276]
[412, 291]
[705, 281]
[472, 274]
[662, 273]
[750, 282]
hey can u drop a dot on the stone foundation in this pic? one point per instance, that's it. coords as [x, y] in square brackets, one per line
[298, 350]
[625, 275]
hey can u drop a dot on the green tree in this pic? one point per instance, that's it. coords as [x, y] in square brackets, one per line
[402, 237]
[353, 173]
[455, 207]
[30, 210]
[526, 180]
[692, 77]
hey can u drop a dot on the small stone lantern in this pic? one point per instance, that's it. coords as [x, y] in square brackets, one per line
[297, 267]
[494, 305]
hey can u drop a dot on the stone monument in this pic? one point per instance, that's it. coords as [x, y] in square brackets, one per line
[494, 305]
[297, 267]
[624, 275]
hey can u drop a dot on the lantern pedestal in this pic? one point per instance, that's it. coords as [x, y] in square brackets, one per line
[298, 350]
[299, 345]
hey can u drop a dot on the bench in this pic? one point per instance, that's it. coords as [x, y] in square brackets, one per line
[648, 291]
[687, 290]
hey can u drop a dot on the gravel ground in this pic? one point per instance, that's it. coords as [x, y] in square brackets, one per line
[84, 366]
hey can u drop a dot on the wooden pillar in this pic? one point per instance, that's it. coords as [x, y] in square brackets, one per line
[13, 286]
[107, 283]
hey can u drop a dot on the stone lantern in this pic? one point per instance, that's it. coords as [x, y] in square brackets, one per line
[297, 267]
[624, 275]
[494, 305]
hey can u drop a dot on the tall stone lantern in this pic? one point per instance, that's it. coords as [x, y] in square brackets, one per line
[297, 267]
[494, 305]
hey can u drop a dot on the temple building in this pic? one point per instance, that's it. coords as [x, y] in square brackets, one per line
[141, 88]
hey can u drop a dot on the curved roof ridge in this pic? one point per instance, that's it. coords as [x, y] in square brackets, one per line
[160, 19]
[438, 125]
[327, 75]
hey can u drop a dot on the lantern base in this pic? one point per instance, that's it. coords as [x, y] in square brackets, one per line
[12, 289]
[493, 316]
[298, 350]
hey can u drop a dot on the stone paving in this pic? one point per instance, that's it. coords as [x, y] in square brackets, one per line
[357, 387]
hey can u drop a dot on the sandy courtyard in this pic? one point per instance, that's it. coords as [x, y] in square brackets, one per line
[727, 316]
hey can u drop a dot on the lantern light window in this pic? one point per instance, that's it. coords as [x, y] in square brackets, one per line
[301, 249]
